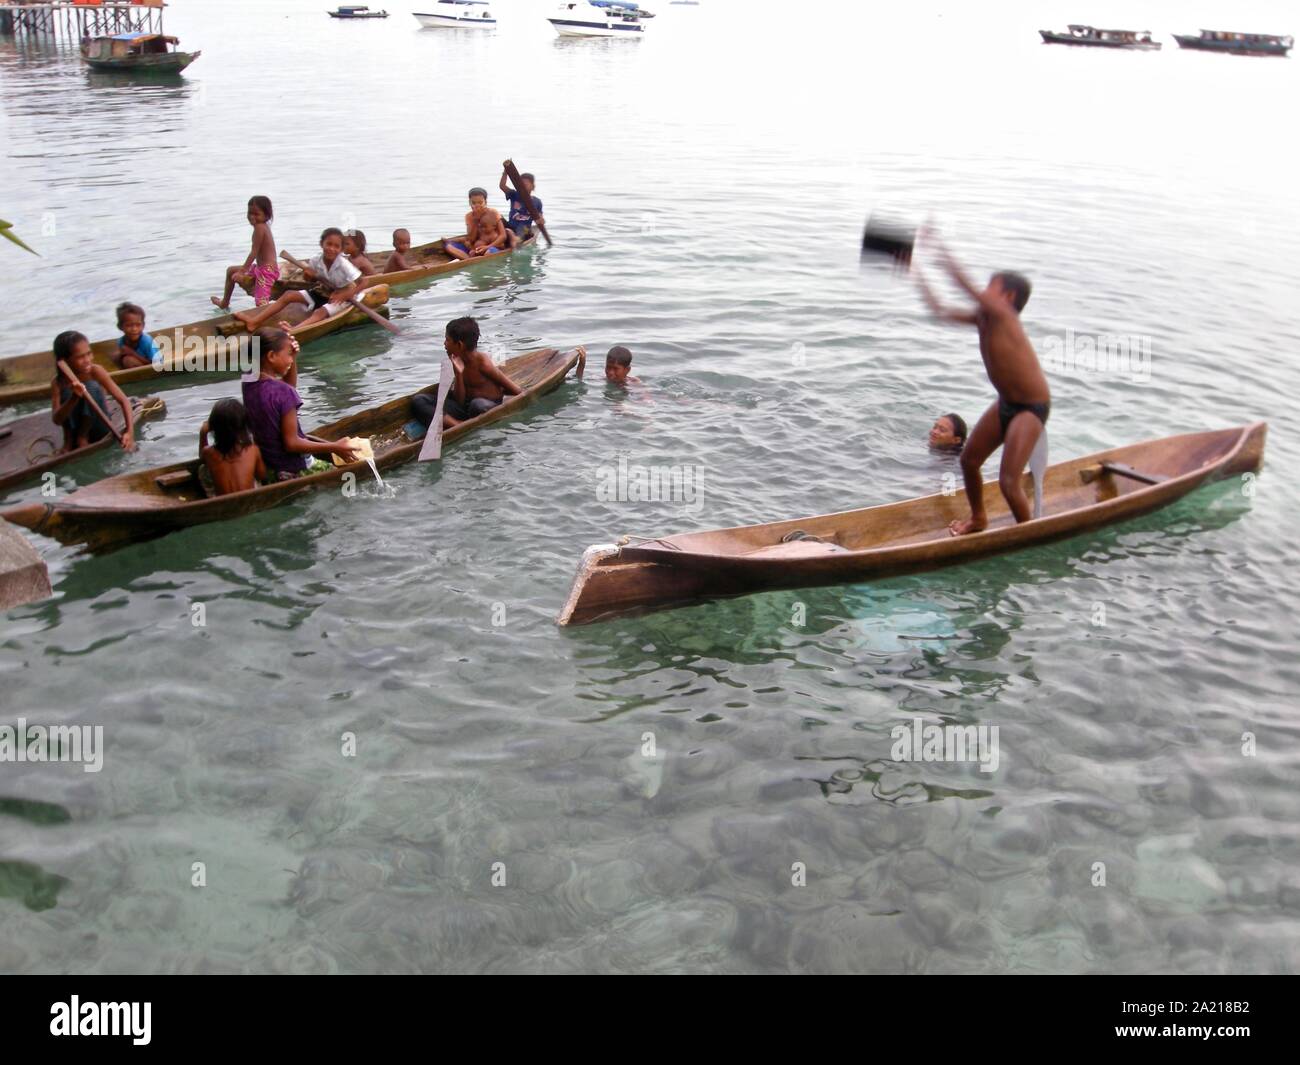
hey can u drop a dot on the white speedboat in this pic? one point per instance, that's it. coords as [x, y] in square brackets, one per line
[598, 18]
[458, 14]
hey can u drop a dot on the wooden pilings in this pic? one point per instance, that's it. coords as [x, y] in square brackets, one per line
[75, 21]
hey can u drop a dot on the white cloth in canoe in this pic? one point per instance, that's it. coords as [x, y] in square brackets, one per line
[339, 274]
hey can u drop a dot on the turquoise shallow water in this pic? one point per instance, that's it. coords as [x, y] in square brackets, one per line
[706, 188]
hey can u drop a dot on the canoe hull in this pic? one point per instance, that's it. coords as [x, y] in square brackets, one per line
[27, 377]
[29, 445]
[900, 538]
[1051, 37]
[130, 508]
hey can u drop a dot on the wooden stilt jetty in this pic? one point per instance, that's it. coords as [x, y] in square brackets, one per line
[72, 21]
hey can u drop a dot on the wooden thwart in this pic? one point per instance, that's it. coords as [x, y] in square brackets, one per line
[1120, 469]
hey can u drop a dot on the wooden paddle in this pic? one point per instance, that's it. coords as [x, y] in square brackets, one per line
[354, 301]
[525, 201]
[432, 448]
[892, 241]
[67, 372]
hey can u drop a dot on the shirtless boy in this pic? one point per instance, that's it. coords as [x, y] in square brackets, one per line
[478, 385]
[486, 233]
[1016, 420]
[398, 258]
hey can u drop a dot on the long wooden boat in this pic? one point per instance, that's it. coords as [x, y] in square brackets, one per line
[152, 503]
[33, 444]
[898, 538]
[27, 377]
[356, 11]
[151, 53]
[431, 260]
[1236, 43]
[1091, 37]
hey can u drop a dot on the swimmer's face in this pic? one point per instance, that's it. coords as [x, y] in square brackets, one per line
[944, 434]
[616, 372]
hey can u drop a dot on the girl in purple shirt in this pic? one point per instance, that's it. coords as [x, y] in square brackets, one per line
[272, 402]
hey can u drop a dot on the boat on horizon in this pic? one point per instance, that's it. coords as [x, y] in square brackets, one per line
[1091, 37]
[1236, 43]
[458, 15]
[598, 18]
[356, 11]
[152, 53]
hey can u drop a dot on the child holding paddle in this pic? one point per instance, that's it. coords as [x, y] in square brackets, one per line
[1017, 419]
[485, 232]
[334, 281]
[260, 269]
[478, 386]
[77, 395]
[519, 224]
[232, 460]
[272, 403]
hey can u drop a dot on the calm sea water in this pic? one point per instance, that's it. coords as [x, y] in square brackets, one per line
[706, 188]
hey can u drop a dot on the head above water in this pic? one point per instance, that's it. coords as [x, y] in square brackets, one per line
[1015, 288]
[259, 209]
[462, 336]
[228, 423]
[948, 432]
[618, 363]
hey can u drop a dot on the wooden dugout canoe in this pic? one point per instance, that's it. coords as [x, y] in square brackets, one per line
[30, 445]
[152, 503]
[27, 377]
[898, 538]
[431, 260]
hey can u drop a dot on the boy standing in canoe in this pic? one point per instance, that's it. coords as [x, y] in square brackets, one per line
[1016, 420]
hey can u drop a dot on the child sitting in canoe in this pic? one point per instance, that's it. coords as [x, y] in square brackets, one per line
[232, 460]
[485, 232]
[260, 269]
[272, 403]
[477, 385]
[70, 402]
[136, 348]
[519, 223]
[1016, 420]
[948, 433]
[398, 257]
[354, 247]
[334, 283]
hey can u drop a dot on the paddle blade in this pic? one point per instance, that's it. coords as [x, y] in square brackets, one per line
[6, 231]
[890, 241]
[432, 448]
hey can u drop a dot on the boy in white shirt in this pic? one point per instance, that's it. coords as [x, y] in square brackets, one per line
[333, 280]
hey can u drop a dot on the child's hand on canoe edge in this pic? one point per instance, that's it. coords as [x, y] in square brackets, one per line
[582, 360]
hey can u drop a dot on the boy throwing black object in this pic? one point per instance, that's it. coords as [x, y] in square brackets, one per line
[1016, 420]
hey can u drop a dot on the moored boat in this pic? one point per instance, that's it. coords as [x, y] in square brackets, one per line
[457, 15]
[1080, 495]
[597, 18]
[356, 11]
[154, 502]
[27, 377]
[1236, 43]
[33, 444]
[1090, 36]
[430, 260]
[146, 52]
